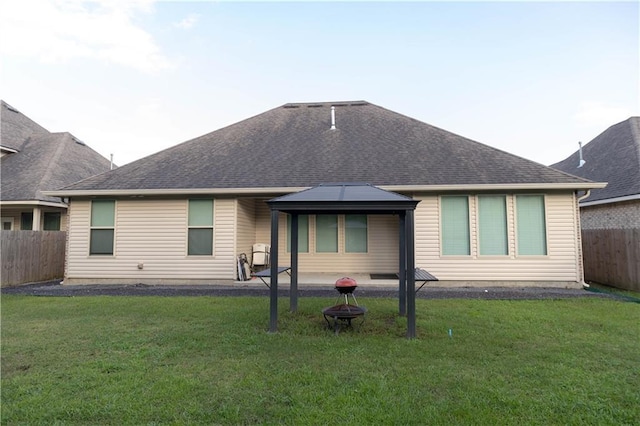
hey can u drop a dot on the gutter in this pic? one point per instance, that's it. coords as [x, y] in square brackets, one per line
[610, 200]
[33, 203]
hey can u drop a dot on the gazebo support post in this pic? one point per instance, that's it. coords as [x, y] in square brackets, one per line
[273, 264]
[293, 291]
[411, 278]
[402, 269]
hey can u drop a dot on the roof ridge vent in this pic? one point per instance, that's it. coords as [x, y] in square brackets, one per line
[333, 118]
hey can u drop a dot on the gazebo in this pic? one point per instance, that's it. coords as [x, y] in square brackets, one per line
[349, 198]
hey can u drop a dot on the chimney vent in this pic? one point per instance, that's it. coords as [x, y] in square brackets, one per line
[333, 118]
[581, 161]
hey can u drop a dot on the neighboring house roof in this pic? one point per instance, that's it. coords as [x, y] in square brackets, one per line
[16, 127]
[43, 161]
[293, 146]
[613, 157]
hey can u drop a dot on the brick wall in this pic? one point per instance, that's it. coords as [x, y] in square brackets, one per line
[625, 215]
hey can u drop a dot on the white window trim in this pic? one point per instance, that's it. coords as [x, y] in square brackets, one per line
[546, 227]
[115, 223]
[212, 227]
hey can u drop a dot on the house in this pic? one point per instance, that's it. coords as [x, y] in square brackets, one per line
[182, 215]
[613, 157]
[610, 216]
[35, 160]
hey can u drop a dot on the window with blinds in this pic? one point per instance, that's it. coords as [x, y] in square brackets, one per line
[355, 233]
[531, 225]
[326, 233]
[103, 219]
[454, 211]
[492, 225]
[303, 233]
[200, 228]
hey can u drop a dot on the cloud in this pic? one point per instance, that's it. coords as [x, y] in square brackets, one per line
[188, 22]
[59, 30]
[598, 114]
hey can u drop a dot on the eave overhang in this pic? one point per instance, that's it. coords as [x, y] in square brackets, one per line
[33, 203]
[265, 191]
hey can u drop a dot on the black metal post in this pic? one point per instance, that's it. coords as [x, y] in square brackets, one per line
[402, 267]
[293, 290]
[273, 264]
[411, 278]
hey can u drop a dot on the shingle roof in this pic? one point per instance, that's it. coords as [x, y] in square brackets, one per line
[293, 146]
[614, 157]
[44, 161]
[16, 127]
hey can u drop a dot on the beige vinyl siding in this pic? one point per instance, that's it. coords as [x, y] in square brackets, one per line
[560, 264]
[152, 233]
[381, 256]
[246, 232]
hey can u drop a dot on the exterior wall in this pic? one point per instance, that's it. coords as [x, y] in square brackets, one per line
[153, 234]
[14, 213]
[382, 241]
[560, 264]
[623, 215]
[246, 232]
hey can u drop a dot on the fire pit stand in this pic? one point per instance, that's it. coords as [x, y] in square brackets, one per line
[344, 313]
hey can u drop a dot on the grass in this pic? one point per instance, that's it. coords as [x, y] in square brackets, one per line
[204, 360]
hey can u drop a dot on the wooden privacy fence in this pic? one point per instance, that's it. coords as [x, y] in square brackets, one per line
[612, 257]
[32, 256]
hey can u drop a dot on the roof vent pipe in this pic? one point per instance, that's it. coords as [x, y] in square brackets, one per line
[581, 162]
[333, 118]
[111, 165]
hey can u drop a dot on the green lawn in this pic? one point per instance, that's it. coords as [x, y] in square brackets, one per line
[205, 360]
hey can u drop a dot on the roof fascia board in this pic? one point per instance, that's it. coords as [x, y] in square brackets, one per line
[287, 190]
[178, 191]
[610, 200]
[33, 203]
[342, 206]
[493, 187]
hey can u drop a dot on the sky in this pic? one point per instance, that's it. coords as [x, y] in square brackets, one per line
[131, 78]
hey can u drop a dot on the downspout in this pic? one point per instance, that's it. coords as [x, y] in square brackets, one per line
[579, 240]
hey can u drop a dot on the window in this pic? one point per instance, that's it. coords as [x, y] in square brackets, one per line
[355, 233]
[51, 221]
[303, 233]
[492, 218]
[455, 226]
[531, 226]
[26, 221]
[7, 224]
[326, 233]
[102, 226]
[200, 238]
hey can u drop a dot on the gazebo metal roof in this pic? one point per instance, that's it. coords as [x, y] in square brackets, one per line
[353, 198]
